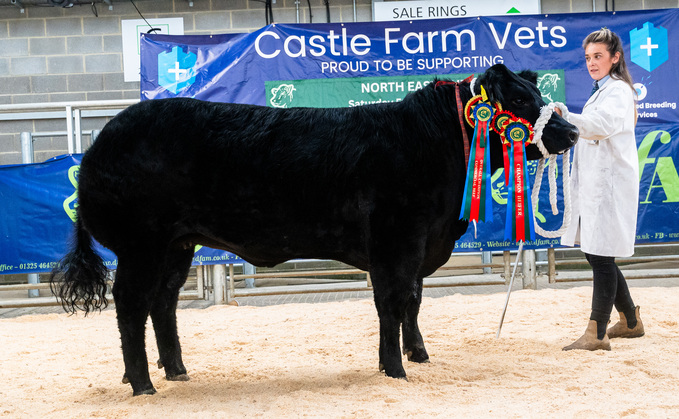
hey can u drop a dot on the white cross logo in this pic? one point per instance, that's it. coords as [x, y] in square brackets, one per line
[180, 73]
[649, 47]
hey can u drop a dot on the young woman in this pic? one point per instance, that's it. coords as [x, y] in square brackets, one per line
[605, 189]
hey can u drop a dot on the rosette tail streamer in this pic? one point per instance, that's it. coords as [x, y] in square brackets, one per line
[499, 122]
[519, 225]
[477, 199]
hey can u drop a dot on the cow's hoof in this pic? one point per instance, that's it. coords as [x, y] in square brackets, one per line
[148, 391]
[418, 355]
[396, 373]
[178, 377]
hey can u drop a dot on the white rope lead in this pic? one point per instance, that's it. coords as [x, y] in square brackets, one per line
[545, 114]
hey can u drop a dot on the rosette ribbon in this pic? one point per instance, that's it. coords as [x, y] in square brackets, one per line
[502, 118]
[477, 201]
[516, 134]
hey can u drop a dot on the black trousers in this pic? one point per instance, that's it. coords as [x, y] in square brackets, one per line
[610, 288]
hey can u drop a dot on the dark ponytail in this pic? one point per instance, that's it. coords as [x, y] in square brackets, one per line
[613, 44]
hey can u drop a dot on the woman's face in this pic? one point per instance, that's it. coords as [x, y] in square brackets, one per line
[599, 60]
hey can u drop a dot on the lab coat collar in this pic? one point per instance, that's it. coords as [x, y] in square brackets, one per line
[606, 80]
[602, 81]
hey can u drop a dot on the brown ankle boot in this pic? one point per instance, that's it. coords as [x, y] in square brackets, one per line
[620, 329]
[589, 342]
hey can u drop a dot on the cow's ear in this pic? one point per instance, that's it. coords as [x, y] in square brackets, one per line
[529, 75]
[492, 80]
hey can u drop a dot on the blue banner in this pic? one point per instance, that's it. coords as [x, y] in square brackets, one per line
[238, 69]
[357, 63]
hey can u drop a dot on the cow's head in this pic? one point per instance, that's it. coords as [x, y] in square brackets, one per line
[519, 94]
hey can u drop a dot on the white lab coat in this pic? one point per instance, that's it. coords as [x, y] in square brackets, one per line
[605, 174]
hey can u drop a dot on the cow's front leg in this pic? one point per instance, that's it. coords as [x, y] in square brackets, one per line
[389, 353]
[391, 289]
[413, 344]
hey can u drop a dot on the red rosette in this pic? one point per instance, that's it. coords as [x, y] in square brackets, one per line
[501, 119]
[470, 108]
[517, 129]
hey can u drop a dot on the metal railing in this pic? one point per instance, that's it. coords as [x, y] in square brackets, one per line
[72, 112]
[217, 283]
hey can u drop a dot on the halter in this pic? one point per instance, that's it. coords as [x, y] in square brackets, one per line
[458, 102]
[545, 114]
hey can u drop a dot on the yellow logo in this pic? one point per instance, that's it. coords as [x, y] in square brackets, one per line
[70, 205]
[517, 134]
[483, 114]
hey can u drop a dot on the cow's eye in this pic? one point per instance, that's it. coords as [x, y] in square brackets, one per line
[519, 101]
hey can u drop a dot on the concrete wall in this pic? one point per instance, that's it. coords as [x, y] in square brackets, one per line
[50, 54]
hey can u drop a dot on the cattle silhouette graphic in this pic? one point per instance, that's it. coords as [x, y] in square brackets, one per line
[547, 84]
[281, 96]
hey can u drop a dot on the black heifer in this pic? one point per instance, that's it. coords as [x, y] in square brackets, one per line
[378, 187]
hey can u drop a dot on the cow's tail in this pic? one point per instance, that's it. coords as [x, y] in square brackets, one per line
[79, 281]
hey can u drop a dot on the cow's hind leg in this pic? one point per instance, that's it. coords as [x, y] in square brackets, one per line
[413, 344]
[135, 285]
[164, 313]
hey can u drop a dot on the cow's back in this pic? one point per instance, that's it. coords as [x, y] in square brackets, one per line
[265, 183]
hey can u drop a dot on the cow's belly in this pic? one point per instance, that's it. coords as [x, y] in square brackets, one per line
[266, 240]
[263, 253]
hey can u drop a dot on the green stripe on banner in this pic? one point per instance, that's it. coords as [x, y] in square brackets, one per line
[357, 91]
[346, 92]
